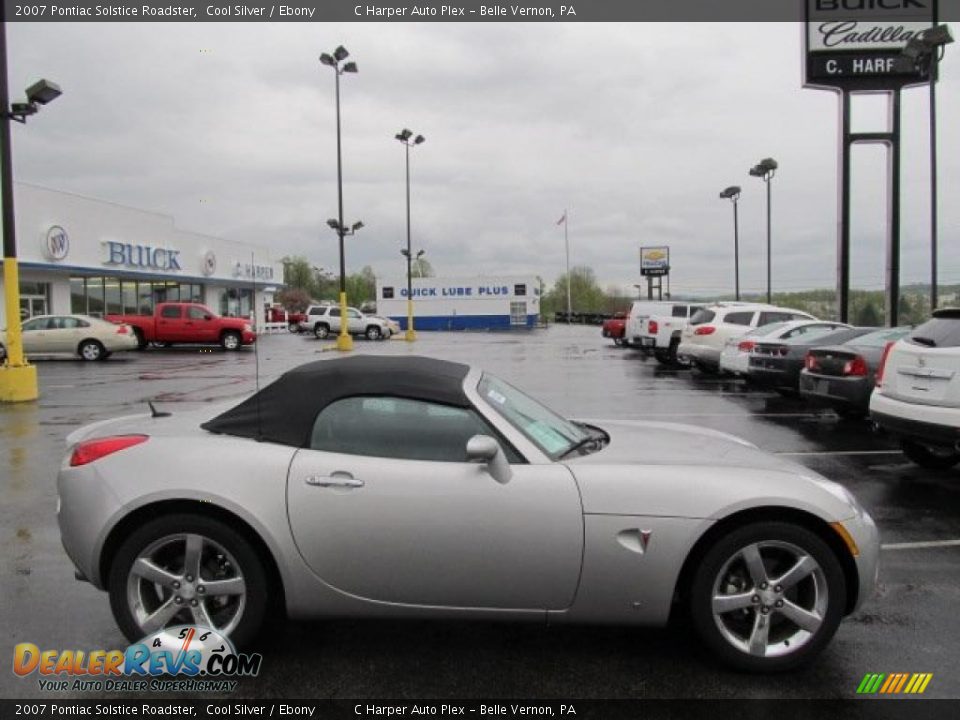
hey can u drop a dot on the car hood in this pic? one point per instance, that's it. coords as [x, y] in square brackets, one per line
[661, 443]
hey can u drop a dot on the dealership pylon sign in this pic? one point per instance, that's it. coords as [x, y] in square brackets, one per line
[855, 45]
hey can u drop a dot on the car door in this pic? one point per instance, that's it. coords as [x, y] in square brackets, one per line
[199, 324]
[384, 506]
[355, 324]
[70, 331]
[170, 323]
[333, 318]
[36, 335]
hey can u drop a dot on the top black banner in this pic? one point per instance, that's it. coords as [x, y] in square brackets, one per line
[454, 11]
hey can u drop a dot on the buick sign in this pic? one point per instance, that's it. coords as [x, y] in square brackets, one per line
[56, 243]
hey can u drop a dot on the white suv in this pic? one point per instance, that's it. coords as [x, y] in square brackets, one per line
[704, 338]
[918, 391]
[324, 320]
[640, 311]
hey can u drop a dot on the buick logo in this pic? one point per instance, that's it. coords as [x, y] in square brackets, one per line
[209, 263]
[56, 243]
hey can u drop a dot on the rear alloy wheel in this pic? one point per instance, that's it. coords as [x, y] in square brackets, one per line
[91, 350]
[768, 596]
[230, 341]
[294, 327]
[373, 332]
[321, 331]
[188, 570]
[932, 457]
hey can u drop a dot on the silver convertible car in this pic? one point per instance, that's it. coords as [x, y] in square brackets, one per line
[415, 487]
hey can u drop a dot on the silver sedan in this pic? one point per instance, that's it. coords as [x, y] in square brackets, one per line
[414, 487]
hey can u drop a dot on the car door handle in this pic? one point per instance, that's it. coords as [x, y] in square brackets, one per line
[344, 480]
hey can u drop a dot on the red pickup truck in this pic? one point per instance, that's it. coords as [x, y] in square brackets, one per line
[276, 314]
[187, 323]
[615, 328]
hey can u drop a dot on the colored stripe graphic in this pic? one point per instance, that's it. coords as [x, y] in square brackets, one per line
[894, 683]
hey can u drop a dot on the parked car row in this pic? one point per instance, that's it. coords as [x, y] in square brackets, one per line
[906, 379]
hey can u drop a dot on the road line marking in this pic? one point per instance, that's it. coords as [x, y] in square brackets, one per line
[56, 387]
[920, 545]
[842, 452]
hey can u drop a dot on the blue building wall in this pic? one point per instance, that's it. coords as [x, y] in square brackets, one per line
[463, 322]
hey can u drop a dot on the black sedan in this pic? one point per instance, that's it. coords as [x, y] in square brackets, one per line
[776, 365]
[842, 376]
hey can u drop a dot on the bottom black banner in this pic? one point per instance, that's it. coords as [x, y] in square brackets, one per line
[741, 709]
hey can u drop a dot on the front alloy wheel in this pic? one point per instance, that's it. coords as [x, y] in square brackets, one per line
[768, 596]
[187, 570]
[373, 333]
[91, 350]
[230, 341]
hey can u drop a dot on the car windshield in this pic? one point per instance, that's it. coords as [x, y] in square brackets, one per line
[550, 432]
[879, 338]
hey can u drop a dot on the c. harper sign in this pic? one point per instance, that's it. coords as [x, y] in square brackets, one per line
[855, 44]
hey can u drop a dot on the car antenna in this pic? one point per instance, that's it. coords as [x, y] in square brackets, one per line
[157, 413]
[256, 345]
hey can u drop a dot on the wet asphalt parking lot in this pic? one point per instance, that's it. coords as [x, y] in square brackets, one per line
[909, 626]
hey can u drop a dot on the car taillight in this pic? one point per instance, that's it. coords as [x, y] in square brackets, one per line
[856, 367]
[90, 450]
[811, 363]
[705, 330]
[652, 327]
[122, 330]
[883, 364]
[747, 345]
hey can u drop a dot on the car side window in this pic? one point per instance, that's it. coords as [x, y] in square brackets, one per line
[170, 311]
[679, 311]
[774, 317]
[334, 312]
[739, 318]
[68, 323]
[195, 313]
[34, 324]
[399, 428]
[351, 313]
[316, 311]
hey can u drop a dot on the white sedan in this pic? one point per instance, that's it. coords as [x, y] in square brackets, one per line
[735, 357]
[88, 337]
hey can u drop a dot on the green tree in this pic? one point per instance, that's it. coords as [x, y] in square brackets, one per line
[298, 273]
[294, 299]
[422, 268]
[585, 293]
[868, 315]
[361, 286]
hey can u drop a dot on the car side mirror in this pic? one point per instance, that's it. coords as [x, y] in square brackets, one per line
[208, 317]
[484, 449]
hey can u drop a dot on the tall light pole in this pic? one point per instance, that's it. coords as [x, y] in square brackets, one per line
[732, 193]
[406, 137]
[766, 169]
[925, 52]
[344, 341]
[18, 379]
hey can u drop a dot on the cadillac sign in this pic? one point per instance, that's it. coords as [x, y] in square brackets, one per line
[855, 44]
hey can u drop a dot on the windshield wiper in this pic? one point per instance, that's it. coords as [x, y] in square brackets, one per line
[929, 342]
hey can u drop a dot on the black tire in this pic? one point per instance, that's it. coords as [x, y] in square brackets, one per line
[246, 562]
[618, 342]
[231, 340]
[294, 328]
[705, 368]
[3, 354]
[91, 350]
[786, 392]
[321, 331]
[930, 456]
[141, 341]
[373, 332]
[662, 356]
[851, 412]
[721, 557]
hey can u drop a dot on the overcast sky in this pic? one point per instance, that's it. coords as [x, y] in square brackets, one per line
[634, 129]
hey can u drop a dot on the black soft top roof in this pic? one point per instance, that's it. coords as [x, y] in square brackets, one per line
[285, 411]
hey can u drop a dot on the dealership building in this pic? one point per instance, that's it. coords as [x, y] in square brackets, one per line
[462, 303]
[90, 257]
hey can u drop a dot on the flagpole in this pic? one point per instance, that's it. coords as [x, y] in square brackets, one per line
[566, 242]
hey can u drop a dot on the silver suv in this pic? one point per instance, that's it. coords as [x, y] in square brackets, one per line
[324, 320]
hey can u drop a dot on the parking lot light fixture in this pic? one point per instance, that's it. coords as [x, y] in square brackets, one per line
[923, 53]
[765, 170]
[732, 193]
[18, 379]
[404, 136]
[344, 341]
